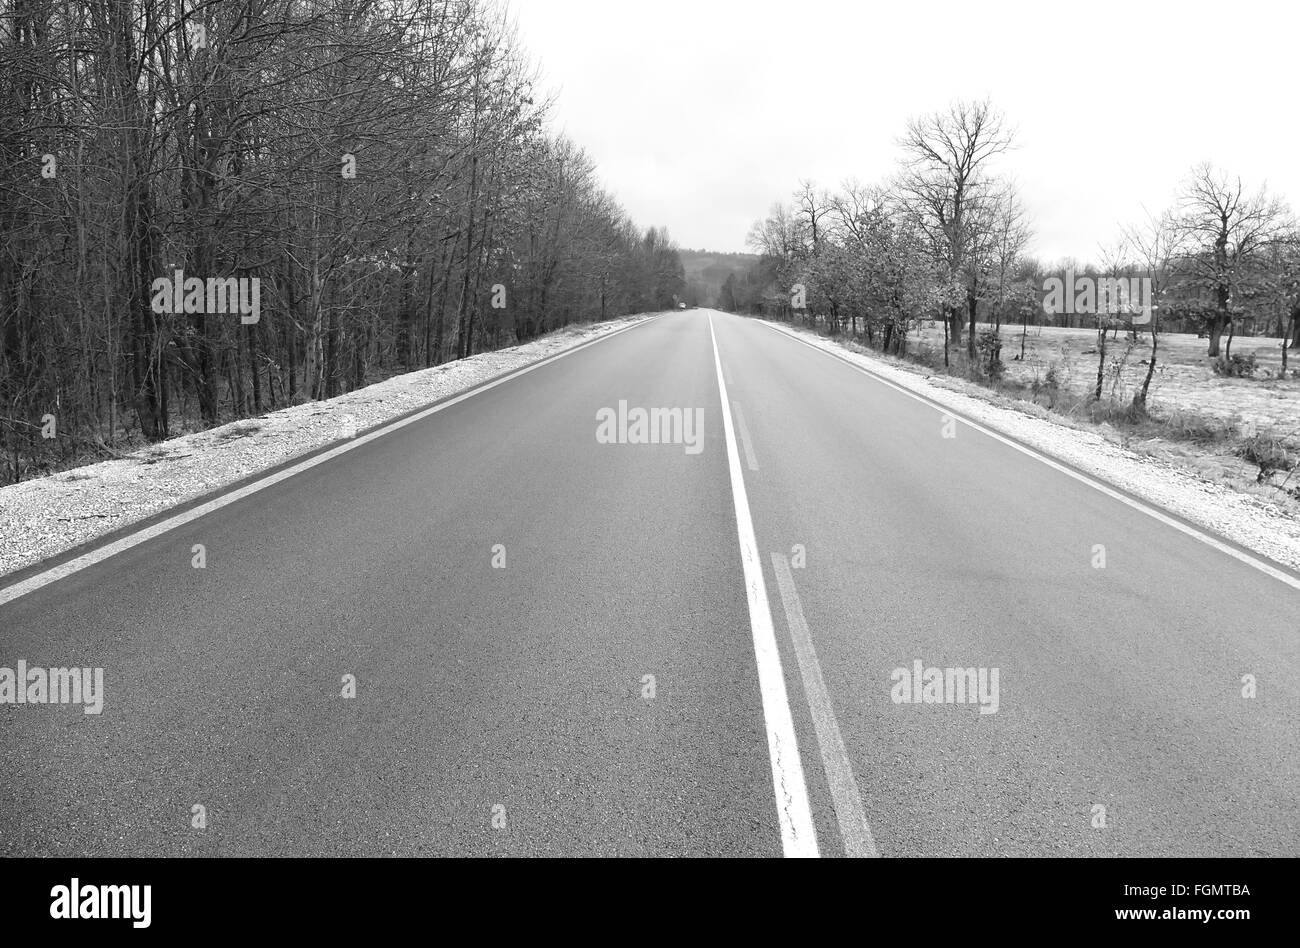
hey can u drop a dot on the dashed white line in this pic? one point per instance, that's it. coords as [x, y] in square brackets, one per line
[798, 835]
[744, 437]
[854, 829]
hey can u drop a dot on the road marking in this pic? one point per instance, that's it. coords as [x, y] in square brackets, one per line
[726, 371]
[854, 828]
[744, 437]
[63, 570]
[798, 836]
[1153, 512]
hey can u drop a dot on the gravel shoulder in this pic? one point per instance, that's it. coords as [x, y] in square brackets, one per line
[43, 517]
[1216, 506]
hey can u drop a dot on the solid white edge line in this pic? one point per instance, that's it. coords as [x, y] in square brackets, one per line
[854, 828]
[798, 835]
[98, 555]
[1037, 455]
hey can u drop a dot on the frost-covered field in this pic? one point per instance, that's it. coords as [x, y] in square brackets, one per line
[1183, 381]
[46, 516]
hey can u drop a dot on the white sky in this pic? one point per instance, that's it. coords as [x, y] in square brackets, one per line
[701, 113]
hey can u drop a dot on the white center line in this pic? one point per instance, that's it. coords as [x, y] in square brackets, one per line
[798, 836]
[854, 828]
[744, 437]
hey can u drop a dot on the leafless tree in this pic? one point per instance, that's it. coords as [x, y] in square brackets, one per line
[1153, 246]
[1226, 231]
[946, 180]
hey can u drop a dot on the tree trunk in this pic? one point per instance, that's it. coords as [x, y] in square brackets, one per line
[1215, 331]
[253, 368]
[1101, 361]
[972, 305]
[1140, 399]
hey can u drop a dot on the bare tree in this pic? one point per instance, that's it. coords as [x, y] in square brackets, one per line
[1226, 231]
[1153, 245]
[1009, 233]
[781, 237]
[946, 181]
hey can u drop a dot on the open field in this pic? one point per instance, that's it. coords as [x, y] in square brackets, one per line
[1184, 380]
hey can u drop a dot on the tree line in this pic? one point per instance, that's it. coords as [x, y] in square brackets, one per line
[947, 238]
[380, 171]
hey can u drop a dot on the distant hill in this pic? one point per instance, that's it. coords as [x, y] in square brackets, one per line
[707, 270]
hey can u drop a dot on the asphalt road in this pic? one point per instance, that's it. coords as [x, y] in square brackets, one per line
[604, 687]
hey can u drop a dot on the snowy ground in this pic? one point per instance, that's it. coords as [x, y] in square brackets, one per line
[43, 517]
[1249, 520]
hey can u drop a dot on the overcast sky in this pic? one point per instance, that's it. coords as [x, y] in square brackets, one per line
[702, 113]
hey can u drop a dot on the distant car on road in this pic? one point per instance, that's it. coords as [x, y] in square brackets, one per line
[681, 305]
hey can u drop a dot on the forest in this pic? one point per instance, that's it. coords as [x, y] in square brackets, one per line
[381, 172]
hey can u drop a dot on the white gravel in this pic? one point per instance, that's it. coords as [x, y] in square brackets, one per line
[1254, 524]
[45, 516]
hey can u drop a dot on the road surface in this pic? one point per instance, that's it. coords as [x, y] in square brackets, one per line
[562, 646]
